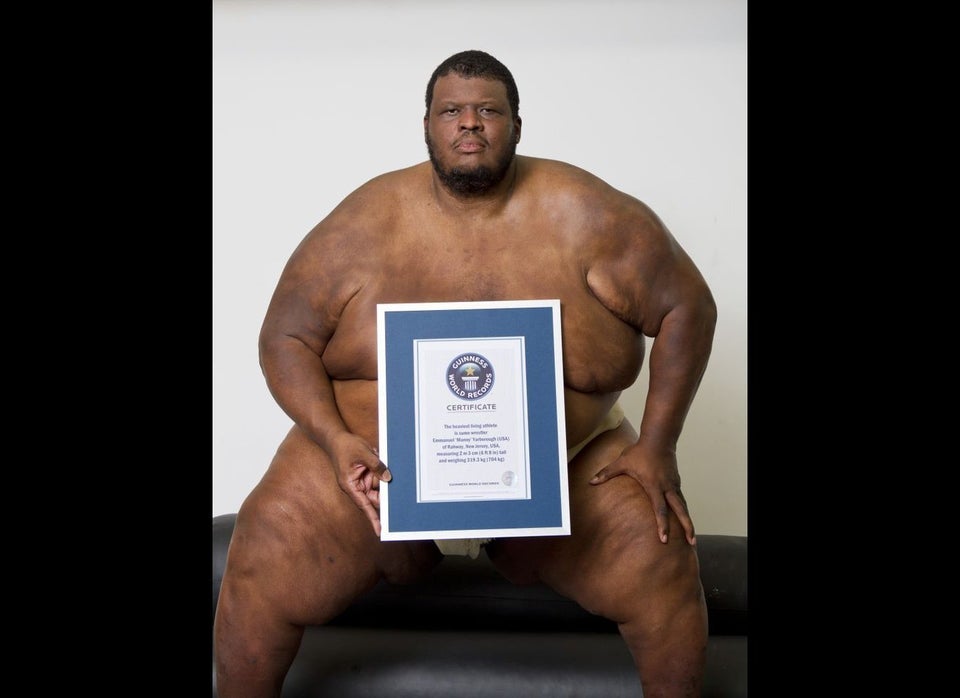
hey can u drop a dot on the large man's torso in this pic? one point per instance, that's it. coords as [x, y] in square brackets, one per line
[537, 246]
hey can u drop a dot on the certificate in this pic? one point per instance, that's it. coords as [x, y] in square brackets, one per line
[471, 420]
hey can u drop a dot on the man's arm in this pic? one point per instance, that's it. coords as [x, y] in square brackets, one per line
[672, 303]
[300, 321]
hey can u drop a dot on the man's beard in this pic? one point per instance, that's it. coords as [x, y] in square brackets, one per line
[476, 181]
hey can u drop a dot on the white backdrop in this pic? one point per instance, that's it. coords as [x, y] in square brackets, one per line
[311, 99]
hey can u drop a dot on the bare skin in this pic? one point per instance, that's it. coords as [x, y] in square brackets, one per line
[306, 542]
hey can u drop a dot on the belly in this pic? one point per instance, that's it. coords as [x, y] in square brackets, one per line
[358, 400]
[601, 353]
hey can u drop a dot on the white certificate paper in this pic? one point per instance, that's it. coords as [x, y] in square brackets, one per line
[471, 425]
[471, 420]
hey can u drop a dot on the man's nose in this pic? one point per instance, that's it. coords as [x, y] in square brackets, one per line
[470, 119]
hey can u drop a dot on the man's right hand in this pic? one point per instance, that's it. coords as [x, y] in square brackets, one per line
[359, 472]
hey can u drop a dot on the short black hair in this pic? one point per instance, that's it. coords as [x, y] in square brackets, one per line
[476, 64]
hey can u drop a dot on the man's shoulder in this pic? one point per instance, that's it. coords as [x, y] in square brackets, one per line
[395, 180]
[559, 173]
[550, 167]
[380, 194]
[574, 186]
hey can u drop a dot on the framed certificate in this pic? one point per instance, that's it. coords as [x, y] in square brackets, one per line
[471, 420]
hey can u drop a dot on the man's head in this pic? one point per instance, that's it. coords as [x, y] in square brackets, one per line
[471, 125]
[476, 64]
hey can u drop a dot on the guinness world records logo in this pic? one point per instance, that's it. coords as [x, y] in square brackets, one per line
[470, 376]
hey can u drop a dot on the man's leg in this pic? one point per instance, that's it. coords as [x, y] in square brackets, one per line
[614, 565]
[300, 554]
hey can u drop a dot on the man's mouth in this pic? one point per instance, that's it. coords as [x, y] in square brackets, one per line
[469, 146]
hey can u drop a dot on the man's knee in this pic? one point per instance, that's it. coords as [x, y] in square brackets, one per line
[632, 570]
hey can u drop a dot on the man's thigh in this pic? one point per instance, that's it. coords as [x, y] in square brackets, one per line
[305, 544]
[605, 520]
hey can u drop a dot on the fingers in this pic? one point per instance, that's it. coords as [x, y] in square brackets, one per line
[605, 474]
[359, 473]
[371, 513]
[361, 498]
[678, 503]
[663, 502]
[363, 486]
[662, 512]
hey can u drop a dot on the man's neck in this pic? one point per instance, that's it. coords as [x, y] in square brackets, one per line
[492, 200]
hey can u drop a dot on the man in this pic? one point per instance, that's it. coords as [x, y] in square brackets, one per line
[306, 542]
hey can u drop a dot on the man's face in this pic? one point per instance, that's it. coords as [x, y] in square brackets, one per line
[471, 133]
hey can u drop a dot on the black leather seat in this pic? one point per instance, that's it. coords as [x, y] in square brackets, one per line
[466, 632]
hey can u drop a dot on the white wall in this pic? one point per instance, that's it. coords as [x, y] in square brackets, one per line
[311, 99]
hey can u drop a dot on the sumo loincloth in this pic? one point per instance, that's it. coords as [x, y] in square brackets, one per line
[471, 546]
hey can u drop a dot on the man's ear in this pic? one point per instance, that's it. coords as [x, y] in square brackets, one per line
[516, 127]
